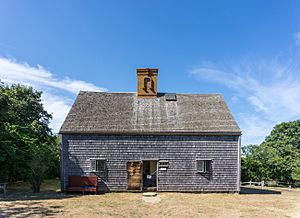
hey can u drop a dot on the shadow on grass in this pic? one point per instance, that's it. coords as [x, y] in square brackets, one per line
[28, 204]
[249, 191]
[30, 209]
[46, 195]
[19, 201]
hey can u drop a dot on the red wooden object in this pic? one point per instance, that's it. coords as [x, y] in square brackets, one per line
[82, 184]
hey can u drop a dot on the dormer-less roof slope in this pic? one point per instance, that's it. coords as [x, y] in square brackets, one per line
[125, 113]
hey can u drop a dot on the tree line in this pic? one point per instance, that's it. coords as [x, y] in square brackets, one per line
[28, 149]
[277, 158]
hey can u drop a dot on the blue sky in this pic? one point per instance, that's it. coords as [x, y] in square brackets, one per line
[247, 50]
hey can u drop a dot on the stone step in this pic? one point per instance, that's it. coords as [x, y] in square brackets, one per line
[149, 194]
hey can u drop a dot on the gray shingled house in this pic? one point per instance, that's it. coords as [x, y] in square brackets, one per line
[152, 141]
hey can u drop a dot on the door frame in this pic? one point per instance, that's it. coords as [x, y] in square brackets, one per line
[150, 159]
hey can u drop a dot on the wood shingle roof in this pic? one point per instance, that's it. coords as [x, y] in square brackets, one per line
[124, 113]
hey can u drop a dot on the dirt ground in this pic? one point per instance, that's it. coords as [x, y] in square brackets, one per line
[251, 203]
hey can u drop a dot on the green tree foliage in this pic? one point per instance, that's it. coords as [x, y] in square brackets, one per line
[277, 158]
[28, 149]
[250, 170]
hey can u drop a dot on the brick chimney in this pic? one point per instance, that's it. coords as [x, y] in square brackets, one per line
[147, 82]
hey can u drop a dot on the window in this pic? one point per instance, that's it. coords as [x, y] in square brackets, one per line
[203, 166]
[98, 165]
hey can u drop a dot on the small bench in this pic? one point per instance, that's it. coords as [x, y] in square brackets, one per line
[82, 184]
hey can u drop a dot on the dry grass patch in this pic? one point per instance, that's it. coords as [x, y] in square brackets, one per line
[52, 204]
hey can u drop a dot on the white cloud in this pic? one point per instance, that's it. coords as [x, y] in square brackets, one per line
[271, 89]
[39, 78]
[12, 71]
[58, 106]
[255, 128]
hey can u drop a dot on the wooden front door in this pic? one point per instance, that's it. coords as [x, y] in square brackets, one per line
[134, 175]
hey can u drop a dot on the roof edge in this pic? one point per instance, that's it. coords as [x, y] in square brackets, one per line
[236, 133]
[106, 92]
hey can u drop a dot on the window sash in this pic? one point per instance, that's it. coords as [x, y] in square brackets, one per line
[93, 165]
[203, 166]
[98, 165]
[200, 165]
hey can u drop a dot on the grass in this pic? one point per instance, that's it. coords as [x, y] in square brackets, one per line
[48, 185]
[20, 202]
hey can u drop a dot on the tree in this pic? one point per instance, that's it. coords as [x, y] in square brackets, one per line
[284, 141]
[5, 150]
[28, 147]
[277, 158]
[250, 166]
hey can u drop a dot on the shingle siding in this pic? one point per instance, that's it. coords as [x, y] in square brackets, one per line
[181, 152]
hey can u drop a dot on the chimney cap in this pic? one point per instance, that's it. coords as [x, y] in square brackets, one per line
[147, 70]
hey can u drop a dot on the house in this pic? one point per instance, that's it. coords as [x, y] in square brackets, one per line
[152, 141]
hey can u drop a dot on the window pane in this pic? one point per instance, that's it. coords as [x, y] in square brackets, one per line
[93, 165]
[200, 165]
[100, 165]
[207, 165]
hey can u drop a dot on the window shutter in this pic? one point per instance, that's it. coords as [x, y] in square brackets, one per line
[93, 165]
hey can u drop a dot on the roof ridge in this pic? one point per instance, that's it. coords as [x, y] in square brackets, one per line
[157, 93]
